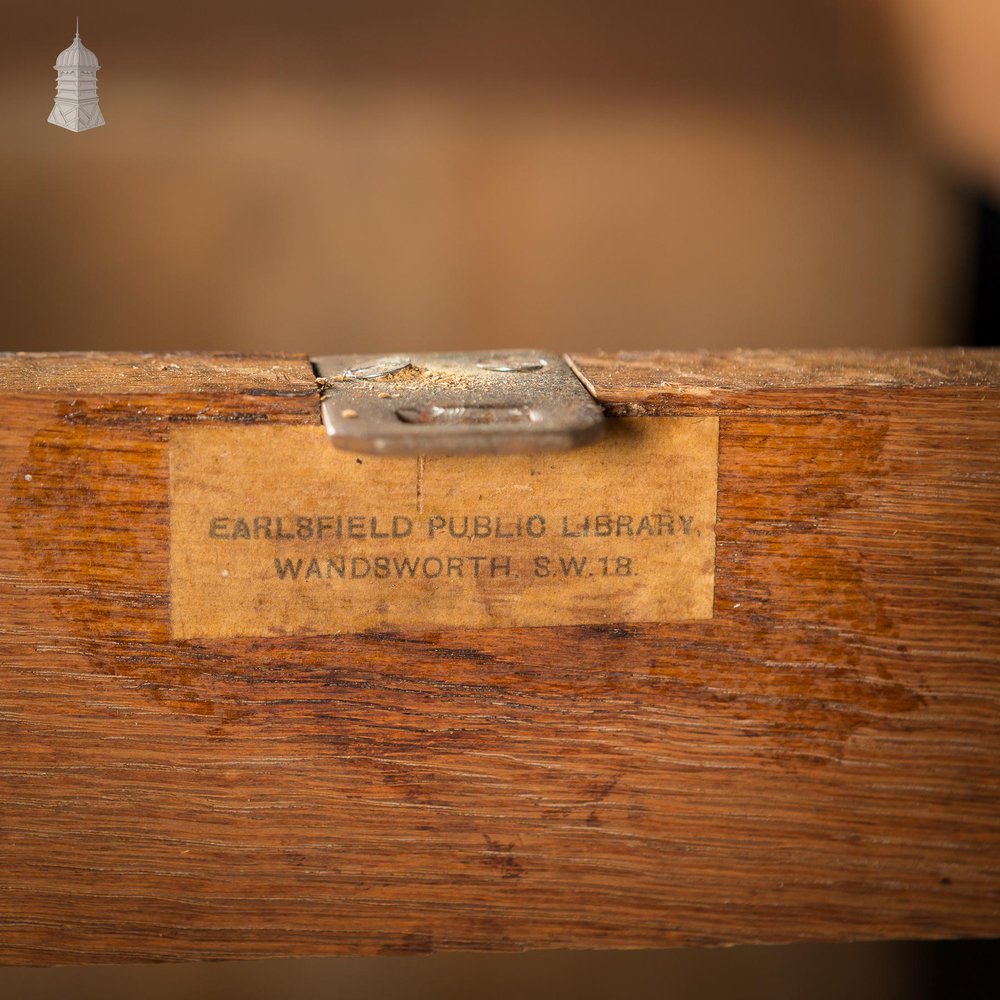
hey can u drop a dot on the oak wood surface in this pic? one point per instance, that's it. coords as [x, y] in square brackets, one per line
[820, 761]
[785, 382]
[131, 374]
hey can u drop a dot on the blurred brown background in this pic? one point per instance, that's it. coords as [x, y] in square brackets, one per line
[347, 176]
[321, 177]
[801, 972]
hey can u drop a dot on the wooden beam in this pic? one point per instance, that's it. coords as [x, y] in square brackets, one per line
[818, 761]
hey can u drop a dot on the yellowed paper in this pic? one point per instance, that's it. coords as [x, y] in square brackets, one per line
[274, 532]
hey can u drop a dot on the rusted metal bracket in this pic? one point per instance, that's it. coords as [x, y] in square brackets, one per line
[456, 404]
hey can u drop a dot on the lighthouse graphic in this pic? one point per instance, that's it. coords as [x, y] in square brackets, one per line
[76, 106]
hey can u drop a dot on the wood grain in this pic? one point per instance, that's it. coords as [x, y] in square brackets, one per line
[783, 381]
[820, 761]
[132, 374]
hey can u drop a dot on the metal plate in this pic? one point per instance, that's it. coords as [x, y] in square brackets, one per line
[494, 402]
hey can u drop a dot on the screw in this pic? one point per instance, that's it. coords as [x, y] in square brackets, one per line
[379, 368]
[511, 363]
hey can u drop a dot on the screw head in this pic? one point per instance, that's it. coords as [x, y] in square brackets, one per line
[379, 368]
[511, 363]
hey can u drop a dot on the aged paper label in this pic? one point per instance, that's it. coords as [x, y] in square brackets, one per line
[275, 532]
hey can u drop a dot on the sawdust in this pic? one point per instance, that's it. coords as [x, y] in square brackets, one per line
[409, 377]
[413, 374]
